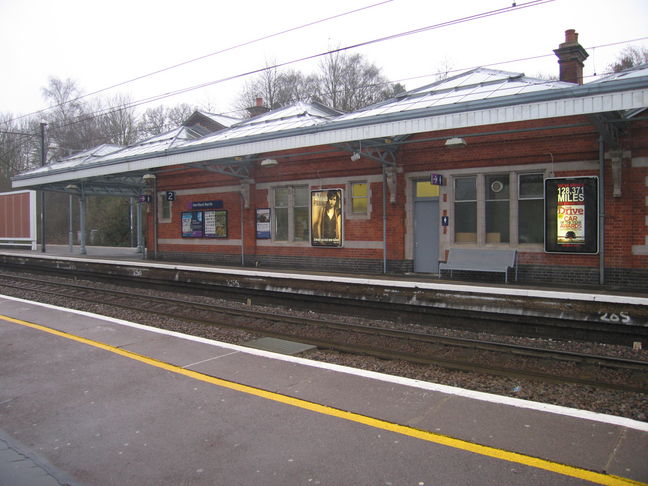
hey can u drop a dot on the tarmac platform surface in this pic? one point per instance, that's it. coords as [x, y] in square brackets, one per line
[87, 400]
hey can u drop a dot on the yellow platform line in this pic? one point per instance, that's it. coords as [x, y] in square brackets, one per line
[565, 470]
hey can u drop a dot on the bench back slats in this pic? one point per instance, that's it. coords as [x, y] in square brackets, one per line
[480, 259]
[479, 256]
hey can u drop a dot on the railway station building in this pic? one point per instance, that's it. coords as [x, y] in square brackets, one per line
[443, 180]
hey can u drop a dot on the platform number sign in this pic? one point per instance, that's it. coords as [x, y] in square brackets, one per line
[170, 195]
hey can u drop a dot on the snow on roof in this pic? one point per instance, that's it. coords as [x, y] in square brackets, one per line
[476, 85]
[297, 115]
[633, 72]
[224, 120]
[78, 159]
[158, 143]
[479, 96]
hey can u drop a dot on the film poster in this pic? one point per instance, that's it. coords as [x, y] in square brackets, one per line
[326, 218]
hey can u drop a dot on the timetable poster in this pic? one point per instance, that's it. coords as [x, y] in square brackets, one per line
[571, 215]
[215, 224]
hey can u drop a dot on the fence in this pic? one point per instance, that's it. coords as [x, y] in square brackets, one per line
[18, 219]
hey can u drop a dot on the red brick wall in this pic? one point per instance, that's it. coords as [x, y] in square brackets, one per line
[547, 142]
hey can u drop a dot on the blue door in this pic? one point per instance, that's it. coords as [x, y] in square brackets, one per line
[426, 235]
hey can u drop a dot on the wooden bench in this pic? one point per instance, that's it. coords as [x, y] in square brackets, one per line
[480, 260]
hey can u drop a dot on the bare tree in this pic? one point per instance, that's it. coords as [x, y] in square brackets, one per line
[161, 119]
[72, 125]
[118, 124]
[19, 148]
[344, 82]
[330, 82]
[179, 113]
[629, 57]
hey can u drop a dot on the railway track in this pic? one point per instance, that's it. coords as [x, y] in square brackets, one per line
[456, 353]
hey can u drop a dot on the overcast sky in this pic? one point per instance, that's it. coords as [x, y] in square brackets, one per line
[100, 43]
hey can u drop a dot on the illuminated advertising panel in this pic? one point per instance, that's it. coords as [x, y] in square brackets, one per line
[571, 215]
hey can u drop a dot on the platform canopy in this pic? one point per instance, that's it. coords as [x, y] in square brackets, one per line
[475, 98]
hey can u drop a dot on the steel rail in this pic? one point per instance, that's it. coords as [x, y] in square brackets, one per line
[220, 315]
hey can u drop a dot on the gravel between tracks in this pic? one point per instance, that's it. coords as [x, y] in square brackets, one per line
[623, 404]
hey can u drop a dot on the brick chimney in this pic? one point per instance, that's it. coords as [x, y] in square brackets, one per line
[571, 56]
[258, 109]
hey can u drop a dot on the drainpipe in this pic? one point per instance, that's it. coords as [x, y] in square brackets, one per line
[82, 221]
[384, 204]
[140, 230]
[70, 226]
[155, 220]
[242, 231]
[601, 211]
[42, 193]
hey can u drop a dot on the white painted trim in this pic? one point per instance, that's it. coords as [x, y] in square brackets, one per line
[584, 105]
[200, 241]
[379, 282]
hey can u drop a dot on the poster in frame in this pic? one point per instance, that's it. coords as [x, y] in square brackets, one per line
[263, 226]
[192, 224]
[327, 218]
[572, 215]
[215, 224]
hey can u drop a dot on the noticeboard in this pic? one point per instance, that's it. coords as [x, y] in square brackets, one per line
[204, 224]
[571, 215]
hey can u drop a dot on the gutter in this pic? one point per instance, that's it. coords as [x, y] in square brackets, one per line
[378, 126]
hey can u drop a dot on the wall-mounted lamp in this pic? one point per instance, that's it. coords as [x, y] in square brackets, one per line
[268, 162]
[72, 188]
[355, 156]
[455, 142]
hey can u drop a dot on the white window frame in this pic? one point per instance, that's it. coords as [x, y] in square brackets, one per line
[162, 202]
[349, 214]
[480, 178]
[291, 213]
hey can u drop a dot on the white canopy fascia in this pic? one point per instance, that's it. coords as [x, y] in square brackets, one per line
[598, 101]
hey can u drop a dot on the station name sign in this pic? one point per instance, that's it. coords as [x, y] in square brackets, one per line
[207, 205]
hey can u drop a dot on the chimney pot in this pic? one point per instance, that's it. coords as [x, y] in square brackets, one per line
[571, 56]
[258, 109]
[571, 36]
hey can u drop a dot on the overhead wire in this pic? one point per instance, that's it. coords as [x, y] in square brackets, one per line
[221, 51]
[481, 15]
[333, 51]
[522, 59]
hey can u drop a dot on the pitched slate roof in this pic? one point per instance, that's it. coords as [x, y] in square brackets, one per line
[480, 84]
